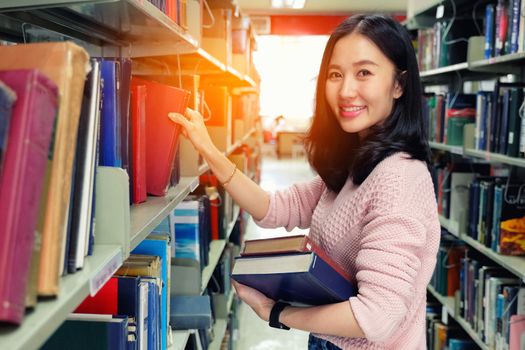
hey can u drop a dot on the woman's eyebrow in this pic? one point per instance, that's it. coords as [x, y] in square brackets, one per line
[358, 63]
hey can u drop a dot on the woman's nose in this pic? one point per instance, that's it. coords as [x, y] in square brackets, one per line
[348, 88]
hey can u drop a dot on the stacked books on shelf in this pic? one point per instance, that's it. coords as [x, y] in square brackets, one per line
[40, 116]
[130, 310]
[294, 269]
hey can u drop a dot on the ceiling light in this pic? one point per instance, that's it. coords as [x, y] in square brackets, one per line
[290, 4]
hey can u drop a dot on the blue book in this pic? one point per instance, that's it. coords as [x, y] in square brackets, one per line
[158, 245]
[461, 344]
[190, 312]
[110, 120]
[489, 31]
[186, 221]
[7, 99]
[298, 278]
[515, 25]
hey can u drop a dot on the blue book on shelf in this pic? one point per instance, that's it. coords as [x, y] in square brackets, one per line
[489, 31]
[186, 221]
[158, 245]
[515, 25]
[190, 312]
[298, 278]
[110, 119]
[461, 344]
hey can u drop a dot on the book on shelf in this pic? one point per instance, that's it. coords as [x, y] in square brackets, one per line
[21, 183]
[303, 278]
[517, 331]
[65, 65]
[159, 245]
[7, 99]
[124, 107]
[138, 143]
[110, 147]
[162, 135]
[81, 210]
[86, 332]
[191, 312]
[123, 295]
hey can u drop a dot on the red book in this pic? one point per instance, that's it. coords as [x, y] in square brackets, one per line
[104, 302]
[21, 184]
[162, 135]
[138, 142]
[287, 245]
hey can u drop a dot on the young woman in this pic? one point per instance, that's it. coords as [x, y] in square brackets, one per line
[372, 207]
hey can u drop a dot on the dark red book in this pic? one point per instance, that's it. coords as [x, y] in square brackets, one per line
[138, 143]
[162, 135]
[22, 182]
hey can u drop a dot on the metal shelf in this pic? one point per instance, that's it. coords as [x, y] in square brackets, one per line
[448, 148]
[219, 330]
[452, 227]
[180, 339]
[444, 70]
[515, 264]
[146, 216]
[494, 157]
[48, 315]
[216, 248]
[484, 155]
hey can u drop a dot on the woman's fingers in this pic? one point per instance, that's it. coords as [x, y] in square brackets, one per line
[193, 115]
[179, 119]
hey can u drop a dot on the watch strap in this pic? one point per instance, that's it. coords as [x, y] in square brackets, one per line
[277, 308]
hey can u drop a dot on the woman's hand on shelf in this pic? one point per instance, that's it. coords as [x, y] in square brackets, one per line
[194, 129]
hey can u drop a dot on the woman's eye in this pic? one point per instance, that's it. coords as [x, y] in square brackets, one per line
[363, 73]
[334, 75]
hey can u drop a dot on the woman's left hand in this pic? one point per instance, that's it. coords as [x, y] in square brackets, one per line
[260, 303]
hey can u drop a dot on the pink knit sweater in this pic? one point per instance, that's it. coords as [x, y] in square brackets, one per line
[386, 233]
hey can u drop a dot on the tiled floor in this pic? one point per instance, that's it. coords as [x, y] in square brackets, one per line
[254, 333]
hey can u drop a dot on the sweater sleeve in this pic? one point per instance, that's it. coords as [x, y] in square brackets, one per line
[390, 260]
[294, 206]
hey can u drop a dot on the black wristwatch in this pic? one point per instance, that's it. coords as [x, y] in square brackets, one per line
[274, 315]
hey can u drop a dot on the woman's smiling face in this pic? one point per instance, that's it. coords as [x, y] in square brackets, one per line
[361, 86]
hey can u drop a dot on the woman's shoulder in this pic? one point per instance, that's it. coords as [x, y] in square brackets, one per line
[398, 182]
[401, 164]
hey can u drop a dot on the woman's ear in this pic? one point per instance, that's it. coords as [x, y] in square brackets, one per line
[399, 84]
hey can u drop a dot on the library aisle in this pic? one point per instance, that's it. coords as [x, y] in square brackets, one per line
[255, 334]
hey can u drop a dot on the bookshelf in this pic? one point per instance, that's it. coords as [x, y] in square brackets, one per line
[39, 324]
[452, 149]
[219, 330]
[514, 264]
[180, 338]
[489, 157]
[449, 307]
[423, 15]
[158, 46]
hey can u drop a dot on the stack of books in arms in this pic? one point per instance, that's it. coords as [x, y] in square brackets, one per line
[293, 269]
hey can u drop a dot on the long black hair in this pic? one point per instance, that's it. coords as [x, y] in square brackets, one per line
[336, 154]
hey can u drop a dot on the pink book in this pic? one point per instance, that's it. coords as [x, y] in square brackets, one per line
[517, 330]
[21, 184]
